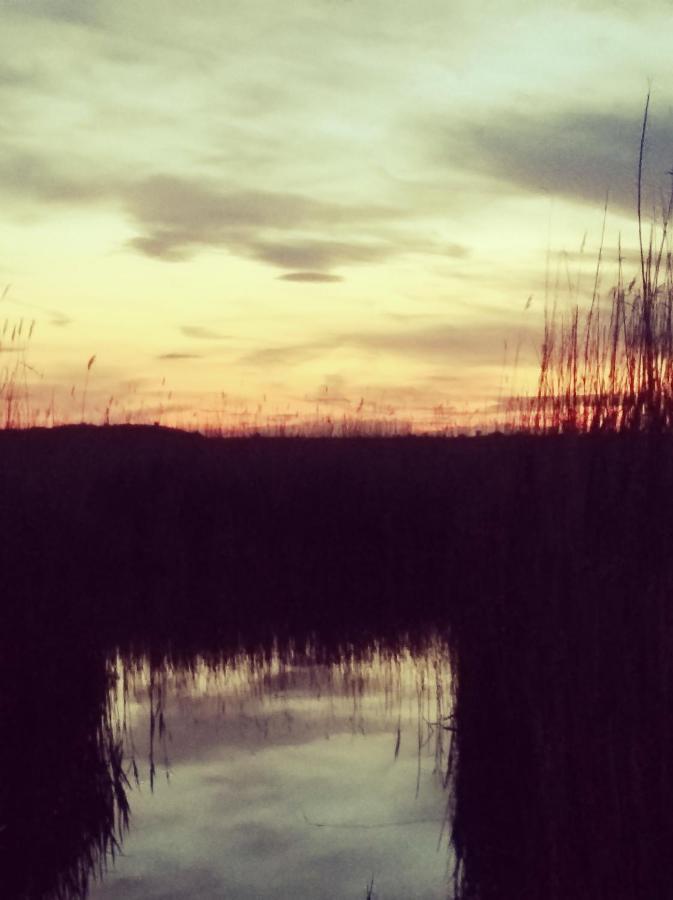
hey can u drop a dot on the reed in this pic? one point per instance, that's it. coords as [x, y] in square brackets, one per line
[15, 337]
[608, 367]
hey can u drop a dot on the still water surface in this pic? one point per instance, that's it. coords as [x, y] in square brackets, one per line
[278, 777]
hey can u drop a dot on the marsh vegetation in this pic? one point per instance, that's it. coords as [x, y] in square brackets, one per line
[543, 561]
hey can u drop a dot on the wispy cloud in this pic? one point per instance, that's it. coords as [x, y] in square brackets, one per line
[310, 277]
[177, 217]
[577, 154]
[178, 356]
[289, 354]
[78, 12]
[450, 344]
[201, 333]
[321, 254]
[16, 75]
[29, 176]
[200, 204]
[54, 316]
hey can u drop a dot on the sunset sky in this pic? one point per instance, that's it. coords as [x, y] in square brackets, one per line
[243, 205]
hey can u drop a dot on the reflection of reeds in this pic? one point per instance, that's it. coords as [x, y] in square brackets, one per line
[63, 797]
[68, 751]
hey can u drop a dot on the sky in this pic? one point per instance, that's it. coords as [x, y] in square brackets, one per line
[251, 210]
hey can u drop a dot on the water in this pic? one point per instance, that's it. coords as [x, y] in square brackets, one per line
[283, 776]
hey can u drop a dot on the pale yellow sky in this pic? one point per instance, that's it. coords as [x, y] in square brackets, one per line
[238, 205]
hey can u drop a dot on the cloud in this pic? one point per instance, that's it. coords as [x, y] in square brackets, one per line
[574, 154]
[310, 277]
[17, 76]
[175, 356]
[169, 201]
[162, 245]
[74, 12]
[178, 245]
[455, 251]
[30, 176]
[59, 320]
[201, 333]
[176, 217]
[466, 344]
[292, 354]
[55, 316]
[320, 254]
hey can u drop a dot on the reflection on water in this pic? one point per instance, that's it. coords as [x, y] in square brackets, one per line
[280, 776]
[251, 775]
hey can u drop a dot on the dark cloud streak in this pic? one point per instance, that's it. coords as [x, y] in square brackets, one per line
[179, 216]
[72, 12]
[32, 177]
[575, 154]
[319, 254]
[469, 343]
[201, 333]
[310, 277]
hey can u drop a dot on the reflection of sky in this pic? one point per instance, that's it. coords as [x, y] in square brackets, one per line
[292, 794]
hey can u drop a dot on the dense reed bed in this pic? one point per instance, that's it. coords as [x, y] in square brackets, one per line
[608, 365]
[564, 629]
[564, 638]
[130, 521]
[609, 368]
